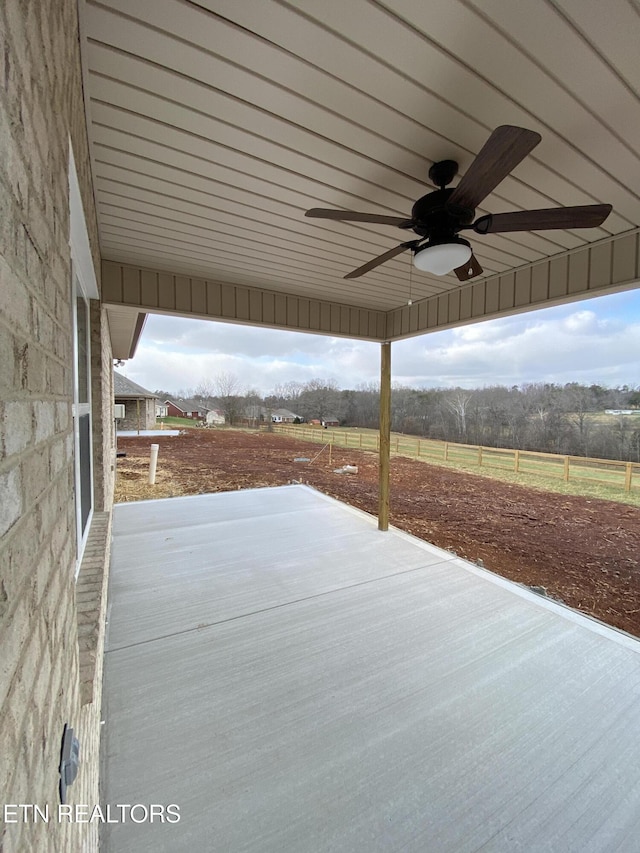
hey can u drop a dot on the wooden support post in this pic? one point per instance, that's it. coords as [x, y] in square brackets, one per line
[627, 477]
[516, 461]
[385, 436]
[566, 469]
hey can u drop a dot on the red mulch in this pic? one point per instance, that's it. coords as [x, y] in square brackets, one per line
[583, 551]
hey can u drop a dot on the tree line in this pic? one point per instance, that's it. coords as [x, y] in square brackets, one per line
[566, 419]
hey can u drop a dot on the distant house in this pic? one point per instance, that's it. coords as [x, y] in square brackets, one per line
[177, 408]
[330, 421]
[139, 404]
[284, 416]
[215, 418]
[161, 410]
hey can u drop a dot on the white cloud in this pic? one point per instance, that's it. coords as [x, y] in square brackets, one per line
[596, 342]
[582, 322]
[554, 345]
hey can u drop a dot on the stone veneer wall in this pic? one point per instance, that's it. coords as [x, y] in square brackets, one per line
[45, 644]
[147, 412]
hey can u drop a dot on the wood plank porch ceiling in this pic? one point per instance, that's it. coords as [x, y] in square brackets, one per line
[215, 124]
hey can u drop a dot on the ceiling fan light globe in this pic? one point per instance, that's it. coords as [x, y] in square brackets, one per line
[442, 258]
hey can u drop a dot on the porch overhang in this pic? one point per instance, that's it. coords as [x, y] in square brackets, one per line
[608, 266]
[215, 125]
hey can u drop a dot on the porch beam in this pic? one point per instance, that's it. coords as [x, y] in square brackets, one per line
[152, 291]
[611, 265]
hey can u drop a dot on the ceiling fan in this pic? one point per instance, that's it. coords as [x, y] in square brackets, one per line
[439, 216]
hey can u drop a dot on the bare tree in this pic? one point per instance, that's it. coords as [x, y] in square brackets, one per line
[286, 393]
[401, 407]
[321, 398]
[580, 402]
[254, 408]
[366, 406]
[227, 392]
[458, 404]
[184, 393]
[204, 391]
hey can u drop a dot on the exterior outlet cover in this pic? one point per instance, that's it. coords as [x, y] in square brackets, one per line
[118, 411]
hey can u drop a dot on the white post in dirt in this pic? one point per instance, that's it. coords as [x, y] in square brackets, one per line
[153, 461]
[385, 436]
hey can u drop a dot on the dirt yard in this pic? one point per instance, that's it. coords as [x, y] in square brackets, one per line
[584, 552]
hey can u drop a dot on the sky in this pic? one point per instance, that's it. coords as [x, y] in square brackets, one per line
[594, 341]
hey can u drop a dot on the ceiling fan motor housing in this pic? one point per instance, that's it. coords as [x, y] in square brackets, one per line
[432, 218]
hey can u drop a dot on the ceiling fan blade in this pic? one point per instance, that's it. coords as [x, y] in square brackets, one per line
[469, 270]
[582, 216]
[375, 262]
[355, 216]
[504, 149]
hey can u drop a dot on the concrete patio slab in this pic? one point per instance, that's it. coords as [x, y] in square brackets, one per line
[146, 433]
[292, 679]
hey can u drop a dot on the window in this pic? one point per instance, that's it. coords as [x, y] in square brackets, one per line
[84, 287]
[82, 432]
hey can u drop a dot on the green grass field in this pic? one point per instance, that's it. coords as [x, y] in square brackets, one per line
[178, 422]
[604, 479]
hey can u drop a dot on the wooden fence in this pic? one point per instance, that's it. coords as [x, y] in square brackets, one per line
[605, 472]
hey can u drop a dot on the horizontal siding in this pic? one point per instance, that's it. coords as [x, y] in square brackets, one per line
[607, 267]
[149, 291]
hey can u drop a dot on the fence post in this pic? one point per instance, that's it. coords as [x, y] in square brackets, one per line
[627, 476]
[516, 461]
[480, 456]
[566, 469]
[446, 451]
